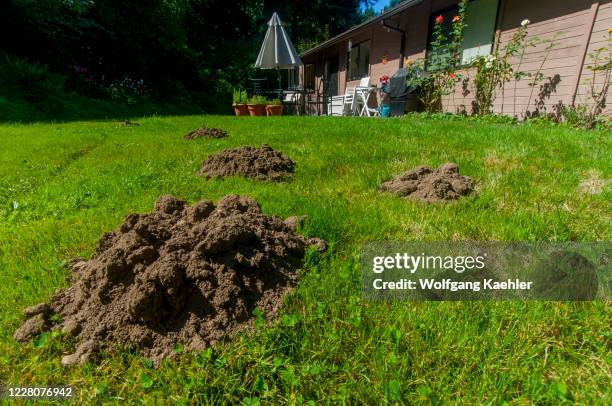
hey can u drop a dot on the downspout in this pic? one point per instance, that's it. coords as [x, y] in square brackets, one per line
[501, 8]
[584, 50]
[402, 41]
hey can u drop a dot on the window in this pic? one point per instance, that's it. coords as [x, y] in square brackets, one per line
[309, 76]
[293, 78]
[478, 34]
[359, 61]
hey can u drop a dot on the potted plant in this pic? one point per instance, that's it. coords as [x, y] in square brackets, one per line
[257, 106]
[274, 107]
[240, 102]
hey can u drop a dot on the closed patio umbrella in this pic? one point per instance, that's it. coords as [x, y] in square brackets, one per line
[277, 51]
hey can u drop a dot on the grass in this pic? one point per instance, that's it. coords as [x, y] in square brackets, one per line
[72, 182]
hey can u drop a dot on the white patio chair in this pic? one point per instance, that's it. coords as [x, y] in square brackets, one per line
[335, 106]
[293, 98]
[342, 105]
[349, 101]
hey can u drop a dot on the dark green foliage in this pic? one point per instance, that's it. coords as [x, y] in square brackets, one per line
[309, 22]
[393, 3]
[141, 50]
[31, 92]
[34, 83]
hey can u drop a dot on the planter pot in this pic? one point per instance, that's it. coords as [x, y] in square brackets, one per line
[385, 110]
[274, 109]
[241, 110]
[257, 110]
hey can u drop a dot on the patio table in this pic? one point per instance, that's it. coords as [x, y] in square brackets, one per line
[363, 94]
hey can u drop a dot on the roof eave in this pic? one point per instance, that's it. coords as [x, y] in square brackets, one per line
[389, 13]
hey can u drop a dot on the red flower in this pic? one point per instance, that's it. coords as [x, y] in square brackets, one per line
[452, 75]
[455, 19]
[439, 19]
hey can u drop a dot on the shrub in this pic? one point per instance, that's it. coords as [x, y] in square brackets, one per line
[588, 114]
[31, 82]
[442, 62]
[128, 91]
[494, 71]
[490, 118]
[576, 116]
[30, 92]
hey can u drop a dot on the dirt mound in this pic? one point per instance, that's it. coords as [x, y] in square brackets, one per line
[182, 274]
[206, 132]
[431, 185]
[262, 163]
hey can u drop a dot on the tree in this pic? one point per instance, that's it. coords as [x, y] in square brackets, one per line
[169, 45]
[394, 3]
[311, 22]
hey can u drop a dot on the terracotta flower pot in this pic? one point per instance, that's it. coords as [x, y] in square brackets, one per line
[241, 110]
[257, 110]
[274, 109]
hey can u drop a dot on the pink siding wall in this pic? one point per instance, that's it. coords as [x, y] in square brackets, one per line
[567, 22]
[563, 22]
[599, 39]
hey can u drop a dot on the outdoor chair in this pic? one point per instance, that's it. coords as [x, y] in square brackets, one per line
[358, 94]
[343, 105]
[349, 101]
[363, 95]
[257, 85]
[315, 100]
[293, 99]
[335, 106]
[364, 82]
[348, 105]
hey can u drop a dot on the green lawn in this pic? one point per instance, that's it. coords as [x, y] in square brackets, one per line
[72, 182]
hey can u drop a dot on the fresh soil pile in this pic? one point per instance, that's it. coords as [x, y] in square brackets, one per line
[181, 274]
[206, 132]
[258, 163]
[431, 185]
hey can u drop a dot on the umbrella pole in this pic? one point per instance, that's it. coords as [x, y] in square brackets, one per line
[280, 86]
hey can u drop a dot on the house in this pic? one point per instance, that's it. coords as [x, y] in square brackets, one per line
[384, 43]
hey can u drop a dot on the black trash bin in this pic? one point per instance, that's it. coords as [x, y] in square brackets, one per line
[398, 106]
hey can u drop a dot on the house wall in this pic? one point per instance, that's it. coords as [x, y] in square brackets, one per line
[599, 38]
[565, 23]
[575, 26]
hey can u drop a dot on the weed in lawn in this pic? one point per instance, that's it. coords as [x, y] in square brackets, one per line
[593, 183]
